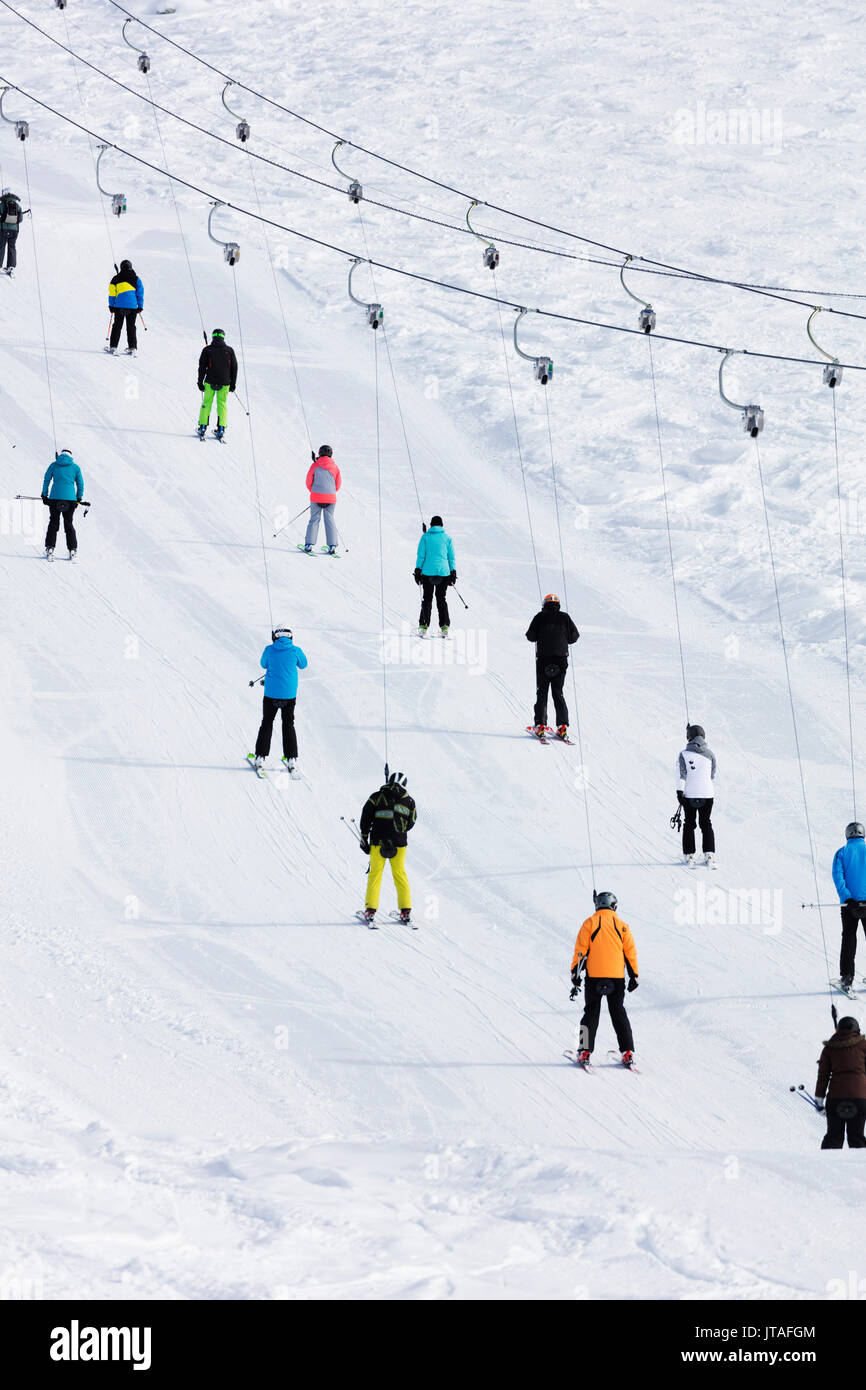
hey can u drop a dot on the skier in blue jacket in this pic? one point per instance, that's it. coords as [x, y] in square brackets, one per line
[282, 661]
[434, 571]
[849, 876]
[62, 490]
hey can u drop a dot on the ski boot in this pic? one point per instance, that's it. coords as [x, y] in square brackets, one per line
[689, 861]
[369, 914]
[72, 554]
[562, 731]
[423, 629]
[111, 350]
[329, 550]
[220, 432]
[201, 431]
[256, 762]
[49, 552]
[289, 763]
[406, 914]
[583, 1057]
[130, 352]
[443, 631]
[540, 730]
[710, 859]
[847, 982]
[307, 549]
[628, 1059]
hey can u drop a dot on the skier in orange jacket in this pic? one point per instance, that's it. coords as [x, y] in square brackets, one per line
[605, 949]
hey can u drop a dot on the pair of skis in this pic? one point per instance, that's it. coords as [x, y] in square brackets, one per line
[432, 636]
[323, 550]
[260, 771]
[373, 925]
[587, 1066]
[220, 438]
[850, 992]
[548, 735]
[49, 555]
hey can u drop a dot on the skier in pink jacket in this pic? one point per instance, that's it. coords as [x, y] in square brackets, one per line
[323, 481]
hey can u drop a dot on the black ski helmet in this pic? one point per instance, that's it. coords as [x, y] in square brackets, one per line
[605, 899]
[694, 731]
[436, 521]
[848, 1025]
[126, 265]
[854, 831]
[218, 333]
[281, 632]
[326, 452]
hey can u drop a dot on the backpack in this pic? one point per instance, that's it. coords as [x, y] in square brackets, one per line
[11, 211]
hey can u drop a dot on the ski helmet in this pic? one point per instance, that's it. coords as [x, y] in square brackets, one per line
[396, 779]
[436, 521]
[854, 831]
[326, 452]
[551, 598]
[695, 731]
[281, 632]
[848, 1025]
[218, 333]
[605, 900]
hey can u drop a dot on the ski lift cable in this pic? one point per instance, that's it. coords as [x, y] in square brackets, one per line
[33, 221]
[253, 450]
[393, 374]
[784, 646]
[517, 442]
[416, 275]
[90, 146]
[177, 214]
[286, 333]
[668, 526]
[577, 727]
[438, 183]
[381, 540]
[844, 608]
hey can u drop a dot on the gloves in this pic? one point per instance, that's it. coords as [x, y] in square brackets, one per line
[575, 982]
[679, 796]
[365, 845]
[452, 578]
[820, 1106]
[417, 576]
[632, 984]
[78, 501]
[313, 455]
[231, 388]
[201, 386]
[45, 499]
[849, 902]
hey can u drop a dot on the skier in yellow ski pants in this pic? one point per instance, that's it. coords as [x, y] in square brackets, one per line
[398, 871]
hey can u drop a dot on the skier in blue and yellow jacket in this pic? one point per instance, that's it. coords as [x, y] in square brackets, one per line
[62, 490]
[435, 571]
[126, 301]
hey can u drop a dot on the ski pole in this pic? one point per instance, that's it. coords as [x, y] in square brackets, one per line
[257, 681]
[352, 827]
[108, 330]
[25, 497]
[460, 596]
[820, 904]
[806, 1095]
[241, 402]
[342, 542]
[294, 518]
[143, 324]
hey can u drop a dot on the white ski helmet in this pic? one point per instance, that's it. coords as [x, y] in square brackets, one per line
[281, 632]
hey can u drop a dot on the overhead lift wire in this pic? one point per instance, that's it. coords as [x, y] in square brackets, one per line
[668, 524]
[412, 274]
[784, 645]
[439, 183]
[844, 607]
[33, 221]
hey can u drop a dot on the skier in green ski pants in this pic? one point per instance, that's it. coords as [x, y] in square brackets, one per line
[217, 376]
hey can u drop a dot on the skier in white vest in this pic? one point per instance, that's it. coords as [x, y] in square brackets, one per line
[696, 771]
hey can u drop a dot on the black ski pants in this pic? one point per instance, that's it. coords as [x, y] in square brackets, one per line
[851, 918]
[698, 808]
[269, 714]
[434, 584]
[8, 247]
[596, 989]
[56, 510]
[121, 317]
[550, 677]
[845, 1116]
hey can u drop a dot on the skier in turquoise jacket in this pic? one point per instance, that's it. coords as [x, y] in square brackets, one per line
[62, 490]
[435, 571]
[282, 661]
[849, 876]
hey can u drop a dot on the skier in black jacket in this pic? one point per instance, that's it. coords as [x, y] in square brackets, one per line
[217, 376]
[11, 216]
[553, 633]
[386, 820]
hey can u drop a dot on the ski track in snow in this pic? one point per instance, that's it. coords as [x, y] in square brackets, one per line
[217, 1084]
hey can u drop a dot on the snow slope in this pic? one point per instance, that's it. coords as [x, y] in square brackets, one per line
[216, 1084]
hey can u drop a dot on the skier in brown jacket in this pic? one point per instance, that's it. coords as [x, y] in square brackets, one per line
[842, 1079]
